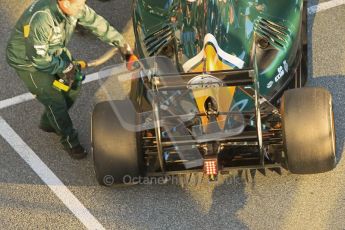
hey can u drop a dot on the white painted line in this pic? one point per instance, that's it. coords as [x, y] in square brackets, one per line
[325, 6]
[28, 96]
[48, 177]
[110, 71]
[16, 100]
[89, 78]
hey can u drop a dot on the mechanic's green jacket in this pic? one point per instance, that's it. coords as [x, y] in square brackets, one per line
[39, 38]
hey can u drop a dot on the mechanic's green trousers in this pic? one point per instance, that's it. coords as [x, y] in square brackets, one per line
[56, 105]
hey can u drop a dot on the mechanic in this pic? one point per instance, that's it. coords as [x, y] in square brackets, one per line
[37, 51]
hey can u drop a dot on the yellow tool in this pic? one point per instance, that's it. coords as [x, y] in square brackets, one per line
[59, 84]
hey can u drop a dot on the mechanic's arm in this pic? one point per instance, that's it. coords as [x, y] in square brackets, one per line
[104, 31]
[100, 27]
[37, 45]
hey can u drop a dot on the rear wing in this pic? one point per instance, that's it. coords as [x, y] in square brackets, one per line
[184, 80]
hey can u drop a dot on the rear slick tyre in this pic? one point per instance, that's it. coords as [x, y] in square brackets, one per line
[115, 149]
[308, 130]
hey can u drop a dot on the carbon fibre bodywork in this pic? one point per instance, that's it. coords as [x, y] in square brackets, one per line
[219, 88]
[177, 29]
[255, 48]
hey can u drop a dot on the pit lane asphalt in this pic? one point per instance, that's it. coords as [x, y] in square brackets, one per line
[272, 201]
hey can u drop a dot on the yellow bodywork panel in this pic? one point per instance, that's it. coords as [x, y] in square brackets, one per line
[223, 95]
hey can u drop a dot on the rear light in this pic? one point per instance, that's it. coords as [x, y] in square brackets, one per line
[211, 167]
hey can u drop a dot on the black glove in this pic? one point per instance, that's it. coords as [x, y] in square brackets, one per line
[69, 74]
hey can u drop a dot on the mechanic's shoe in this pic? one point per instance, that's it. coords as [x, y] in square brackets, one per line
[77, 152]
[46, 129]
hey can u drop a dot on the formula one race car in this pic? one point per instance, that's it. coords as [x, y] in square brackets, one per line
[220, 88]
